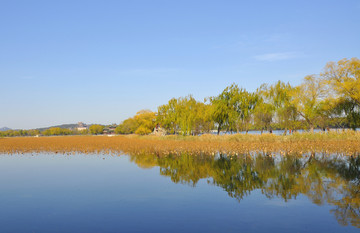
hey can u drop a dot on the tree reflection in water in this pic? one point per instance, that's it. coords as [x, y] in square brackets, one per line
[323, 179]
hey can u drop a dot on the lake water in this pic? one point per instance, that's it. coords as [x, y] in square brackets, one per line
[145, 193]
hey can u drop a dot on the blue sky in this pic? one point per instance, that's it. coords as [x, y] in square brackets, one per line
[102, 61]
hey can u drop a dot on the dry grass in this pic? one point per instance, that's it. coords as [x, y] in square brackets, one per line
[347, 143]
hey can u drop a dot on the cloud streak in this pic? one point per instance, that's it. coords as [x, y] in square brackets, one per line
[149, 71]
[276, 56]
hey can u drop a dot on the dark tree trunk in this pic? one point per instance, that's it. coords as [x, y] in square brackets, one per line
[285, 131]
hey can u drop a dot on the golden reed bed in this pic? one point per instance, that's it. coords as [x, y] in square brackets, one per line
[206, 144]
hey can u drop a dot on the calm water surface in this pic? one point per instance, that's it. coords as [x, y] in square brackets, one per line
[103, 193]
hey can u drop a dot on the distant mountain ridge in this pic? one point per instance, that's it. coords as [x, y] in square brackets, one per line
[4, 129]
[63, 126]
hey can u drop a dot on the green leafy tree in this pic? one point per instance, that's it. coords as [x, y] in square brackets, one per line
[346, 113]
[244, 104]
[264, 110]
[128, 126]
[279, 95]
[53, 131]
[308, 100]
[223, 110]
[142, 123]
[188, 112]
[146, 121]
[344, 78]
[186, 115]
[203, 121]
[96, 129]
[168, 116]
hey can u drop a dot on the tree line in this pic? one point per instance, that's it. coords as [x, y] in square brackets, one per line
[53, 131]
[330, 99]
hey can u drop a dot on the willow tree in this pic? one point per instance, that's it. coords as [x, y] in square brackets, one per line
[264, 110]
[168, 115]
[222, 108]
[128, 126]
[203, 120]
[233, 108]
[344, 78]
[308, 99]
[243, 103]
[185, 114]
[279, 95]
[96, 129]
[346, 113]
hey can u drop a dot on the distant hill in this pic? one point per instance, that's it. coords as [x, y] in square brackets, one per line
[63, 126]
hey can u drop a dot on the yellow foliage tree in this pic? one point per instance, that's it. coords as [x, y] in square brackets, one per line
[308, 98]
[344, 77]
[96, 129]
[142, 123]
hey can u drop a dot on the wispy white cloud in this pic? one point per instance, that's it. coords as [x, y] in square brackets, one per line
[256, 41]
[148, 71]
[277, 56]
